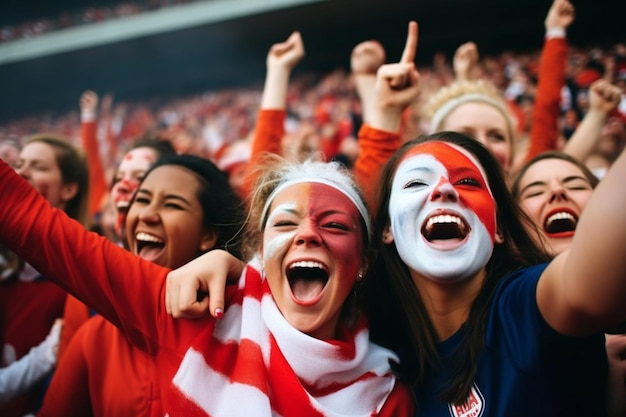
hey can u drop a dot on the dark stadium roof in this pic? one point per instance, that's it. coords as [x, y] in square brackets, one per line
[233, 52]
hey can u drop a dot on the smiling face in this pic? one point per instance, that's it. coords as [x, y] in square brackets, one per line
[553, 192]
[442, 214]
[127, 177]
[313, 246]
[164, 223]
[487, 124]
[38, 164]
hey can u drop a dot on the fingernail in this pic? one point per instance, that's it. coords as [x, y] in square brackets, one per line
[219, 313]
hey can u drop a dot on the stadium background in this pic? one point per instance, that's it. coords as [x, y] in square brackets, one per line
[230, 52]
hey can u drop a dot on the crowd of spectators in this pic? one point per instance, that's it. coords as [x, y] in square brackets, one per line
[87, 15]
[324, 110]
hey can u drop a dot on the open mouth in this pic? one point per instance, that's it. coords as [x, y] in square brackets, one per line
[445, 230]
[149, 246]
[122, 206]
[560, 223]
[307, 280]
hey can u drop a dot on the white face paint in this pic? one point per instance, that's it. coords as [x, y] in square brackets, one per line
[442, 214]
[279, 243]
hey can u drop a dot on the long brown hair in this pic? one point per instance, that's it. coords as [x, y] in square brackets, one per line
[398, 317]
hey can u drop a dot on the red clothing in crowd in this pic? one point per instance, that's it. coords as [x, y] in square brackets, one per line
[103, 375]
[544, 130]
[28, 310]
[63, 250]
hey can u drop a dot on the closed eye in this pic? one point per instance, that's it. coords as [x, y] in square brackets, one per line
[415, 184]
[469, 181]
[339, 226]
[283, 223]
[141, 200]
[174, 206]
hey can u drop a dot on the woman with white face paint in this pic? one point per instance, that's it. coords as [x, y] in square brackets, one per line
[290, 340]
[486, 324]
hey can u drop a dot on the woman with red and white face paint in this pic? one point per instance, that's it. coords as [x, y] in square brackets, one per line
[487, 324]
[291, 340]
[131, 171]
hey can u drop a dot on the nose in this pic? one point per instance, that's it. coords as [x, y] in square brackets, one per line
[482, 138]
[444, 191]
[307, 234]
[148, 214]
[125, 186]
[23, 171]
[557, 193]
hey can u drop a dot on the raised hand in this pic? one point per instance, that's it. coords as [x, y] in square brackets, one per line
[465, 61]
[286, 54]
[560, 15]
[397, 86]
[88, 103]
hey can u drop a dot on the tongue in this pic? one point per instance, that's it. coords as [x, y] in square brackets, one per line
[306, 290]
[150, 253]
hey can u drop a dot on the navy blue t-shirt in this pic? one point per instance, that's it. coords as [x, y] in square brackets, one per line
[527, 368]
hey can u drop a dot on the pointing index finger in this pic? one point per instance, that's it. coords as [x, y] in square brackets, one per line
[410, 47]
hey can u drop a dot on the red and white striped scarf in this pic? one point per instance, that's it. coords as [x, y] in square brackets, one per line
[252, 362]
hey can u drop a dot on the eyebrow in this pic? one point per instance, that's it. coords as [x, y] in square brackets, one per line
[565, 181]
[166, 197]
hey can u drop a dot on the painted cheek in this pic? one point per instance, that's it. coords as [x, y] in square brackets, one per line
[482, 204]
[276, 245]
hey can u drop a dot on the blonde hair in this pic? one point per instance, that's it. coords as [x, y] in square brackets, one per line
[448, 98]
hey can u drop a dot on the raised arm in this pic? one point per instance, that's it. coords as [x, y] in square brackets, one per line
[397, 85]
[270, 126]
[365, 60]
[89, 142]
[122, 287]
[583, 290]
[544, 131]
[603, 99]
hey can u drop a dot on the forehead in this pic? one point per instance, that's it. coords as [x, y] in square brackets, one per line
[449, 155]
[140, 158]
[546, 169]
[311, 197]
[172, 179]
[477, 114]
[38, 150]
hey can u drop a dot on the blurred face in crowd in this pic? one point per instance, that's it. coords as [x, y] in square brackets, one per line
[312, 252]
[129, 174]
[554, 192]
[38, 164]
[164, 223]
[485, 123]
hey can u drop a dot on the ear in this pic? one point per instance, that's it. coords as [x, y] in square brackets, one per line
[387, 235]
[208, 240]
[499, 239]
[69, 191]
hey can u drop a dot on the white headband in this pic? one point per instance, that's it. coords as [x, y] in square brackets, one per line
[343, 188]
[451, 104]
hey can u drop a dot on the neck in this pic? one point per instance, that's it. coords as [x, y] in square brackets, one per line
[448, 304]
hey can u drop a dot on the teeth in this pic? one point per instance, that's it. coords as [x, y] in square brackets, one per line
[123, 204]
[145, 237]
[444, 218]
[560, 216]
[306, 264]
